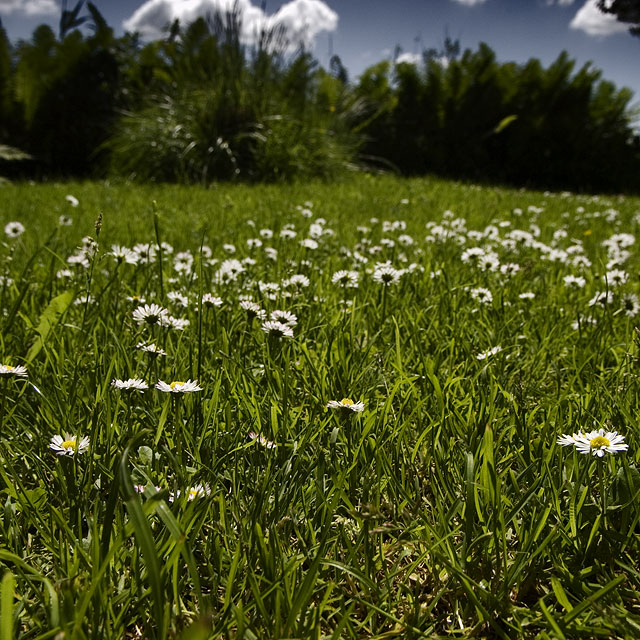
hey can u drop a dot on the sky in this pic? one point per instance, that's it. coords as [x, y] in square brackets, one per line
[363, 32]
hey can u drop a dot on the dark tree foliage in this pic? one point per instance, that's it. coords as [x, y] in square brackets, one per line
[627, 11]
[201, 104]
[473, 117]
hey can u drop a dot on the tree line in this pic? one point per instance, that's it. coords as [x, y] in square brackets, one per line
[202, 104]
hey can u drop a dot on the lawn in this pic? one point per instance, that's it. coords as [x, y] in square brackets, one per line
[372, 409]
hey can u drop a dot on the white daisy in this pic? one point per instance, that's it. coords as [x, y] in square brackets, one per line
[599, 442]
[489, 352]
[151, 349]
[9, 371]
[346, 405]
[345, 278]
[132, 384]
[386, 275]
[178, 386]
[14, 229]
[68, 444]
[286, 317]
[209, 300]
[197, 491]
[150, 314]
[277, 329]
[260, 439]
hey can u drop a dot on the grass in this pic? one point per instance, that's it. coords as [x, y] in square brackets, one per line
[445, 508]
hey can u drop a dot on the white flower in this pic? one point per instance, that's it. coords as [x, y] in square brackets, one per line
[178, 386]
[132, 384]
[346, 405]
[253, 309]
[150, 314]
[386, 275]
[603, 298]
[616, 277]
[197, 491]
[123, 254]
[527, 295]
[596, 442]
[14, 229]
[309, 243]
[151, 349]
[482, 295]
[630, 304]
[178, 298]
[171, 322]
[297, 281]
[65, 221]
[576, 282]
[69, 445]
[489, 352]
[72, 200]
[345, 278]
[277, 329]
[260, 439]
[209, 300]
[286, 317]
[9, 371]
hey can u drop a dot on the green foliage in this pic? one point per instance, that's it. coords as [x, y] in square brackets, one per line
[444, 509]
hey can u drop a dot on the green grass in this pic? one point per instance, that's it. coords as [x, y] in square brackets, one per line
[445, 509]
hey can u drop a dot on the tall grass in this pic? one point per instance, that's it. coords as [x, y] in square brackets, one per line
[444, 508]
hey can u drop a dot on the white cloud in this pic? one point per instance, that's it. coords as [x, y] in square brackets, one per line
[29, 7]
[470, 3]
[410, 58]
[302, 19]
[591, 20]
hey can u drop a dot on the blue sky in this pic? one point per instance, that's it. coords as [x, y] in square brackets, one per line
[363, 32]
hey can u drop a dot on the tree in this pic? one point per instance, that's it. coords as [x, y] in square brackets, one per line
[627, 11]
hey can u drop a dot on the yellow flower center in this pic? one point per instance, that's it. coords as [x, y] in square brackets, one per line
[177, 383]
[10, 368]
[599, 442]
[68, 444]
[347, 401]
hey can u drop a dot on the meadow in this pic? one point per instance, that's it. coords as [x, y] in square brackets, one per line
[381, 408]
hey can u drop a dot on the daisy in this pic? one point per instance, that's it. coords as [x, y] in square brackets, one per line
[630, 304]
[170, 322]
[386, 275]
[14, 229]
[577, 282]
[132, 384]
[345, 278]
[347, 405]
[253, 309]
[123, 254]
[482, 295]
[178, 386]
[9, 371]
[65, 221]
[598, 442]
[277, 329]
[150, 314]
[72, 200]
[260, 439]
[209, 300]
[285, 317]
[297, 281]
[489, 352]
[69, 445]
[151, 349]
[197, 491]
